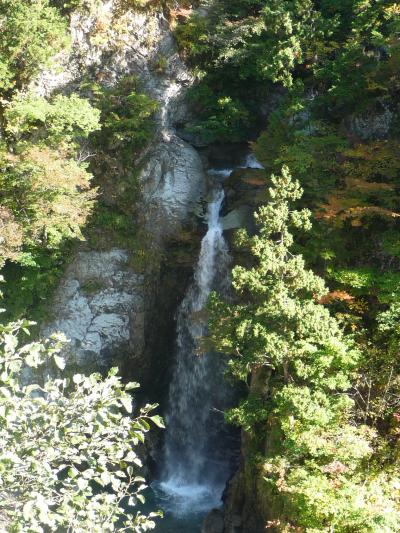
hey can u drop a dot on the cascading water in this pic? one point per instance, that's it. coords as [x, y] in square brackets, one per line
[196, 461]
[252, 162]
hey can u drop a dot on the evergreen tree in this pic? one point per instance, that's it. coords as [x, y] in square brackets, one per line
[311, 455]
[31, 33]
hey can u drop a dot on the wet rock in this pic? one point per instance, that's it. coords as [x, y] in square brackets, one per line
[245, 179]
[188, 134]
[234, 499]
[241, 217]
[173, 187]
[246, 190]
[213, 522]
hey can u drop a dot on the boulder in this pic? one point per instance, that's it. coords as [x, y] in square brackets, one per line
[173, 186]
[241, 217]
[245, 179]
[246, 189]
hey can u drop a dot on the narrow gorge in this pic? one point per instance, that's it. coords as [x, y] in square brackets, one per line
[150, 321]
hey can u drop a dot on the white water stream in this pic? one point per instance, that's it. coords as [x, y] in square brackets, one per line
[196, 466]
[252, 162]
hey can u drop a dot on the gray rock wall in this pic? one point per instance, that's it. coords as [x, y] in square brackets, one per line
[97, 306]
[102, 305]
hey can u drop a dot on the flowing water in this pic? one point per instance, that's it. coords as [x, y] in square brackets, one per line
[199, 451]
[197, 462]
[250, 161]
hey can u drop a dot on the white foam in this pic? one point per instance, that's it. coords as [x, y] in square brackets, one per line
[220, 172]
[182, 499]
[252, 162]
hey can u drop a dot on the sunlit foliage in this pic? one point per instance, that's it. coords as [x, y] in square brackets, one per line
[313, 458]
[68, 458]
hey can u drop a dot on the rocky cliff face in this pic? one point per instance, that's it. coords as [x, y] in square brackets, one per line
[103, 305]
[93, 307]
[112, 312]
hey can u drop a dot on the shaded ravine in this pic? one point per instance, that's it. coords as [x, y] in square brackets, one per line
[196, 460]
[200, 452]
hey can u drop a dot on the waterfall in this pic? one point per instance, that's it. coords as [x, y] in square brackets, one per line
[252, 162]
[195, 464]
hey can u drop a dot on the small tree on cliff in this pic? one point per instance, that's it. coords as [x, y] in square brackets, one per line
[315, 466]
[67, 447]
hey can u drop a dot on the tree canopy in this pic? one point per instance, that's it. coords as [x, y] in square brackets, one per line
[322, 471]
[68, 446]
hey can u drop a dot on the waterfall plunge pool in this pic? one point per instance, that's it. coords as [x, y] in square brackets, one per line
[184, 508]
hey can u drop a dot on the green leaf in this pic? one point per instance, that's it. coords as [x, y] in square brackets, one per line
[60, 362]
[127, 403]
[132, 385]
[105, 477]
[82, 483]
[158, 421]
[78, 379]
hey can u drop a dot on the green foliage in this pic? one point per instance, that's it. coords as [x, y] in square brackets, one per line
[316, 459]
[192, 38]
[345, 52]
[378, 381]
[126, 118]
[241, 45]
[161, 64]
[68, 456]
[32, 32]
[45, 187]
[63, 121]
[111, 224]
[385, 286]
[271, 302]
[357, 278]
[31, 281]
[391, 243]
[278, 133]
[49, 207]
[127, 127]
[264, 39]
[283, 37]
[360, 69]
[225, 108]
[249, 414]
[227, 118]
[47, 199]
[329, 416]
[351, 181]
[309, 149]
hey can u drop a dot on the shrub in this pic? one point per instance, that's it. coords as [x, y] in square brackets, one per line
[67, 446]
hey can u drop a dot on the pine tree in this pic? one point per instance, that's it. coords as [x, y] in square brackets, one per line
[312, 457]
